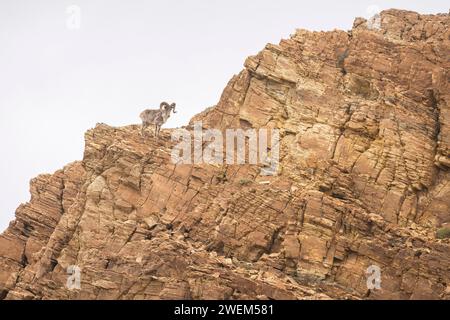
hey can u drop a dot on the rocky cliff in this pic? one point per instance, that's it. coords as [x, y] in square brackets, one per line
[364, 179]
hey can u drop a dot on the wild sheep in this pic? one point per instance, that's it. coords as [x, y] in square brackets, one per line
[156, 117]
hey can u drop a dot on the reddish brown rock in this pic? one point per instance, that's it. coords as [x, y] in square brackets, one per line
[364, 180]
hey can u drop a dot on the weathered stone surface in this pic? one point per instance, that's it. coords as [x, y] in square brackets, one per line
[364, 180]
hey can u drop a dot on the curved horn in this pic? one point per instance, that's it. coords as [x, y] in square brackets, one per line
[163, 104]
[173, 105]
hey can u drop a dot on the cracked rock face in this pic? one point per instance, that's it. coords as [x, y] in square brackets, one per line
[364, 179]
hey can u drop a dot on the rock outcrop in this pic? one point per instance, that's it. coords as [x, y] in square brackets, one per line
[364, 179]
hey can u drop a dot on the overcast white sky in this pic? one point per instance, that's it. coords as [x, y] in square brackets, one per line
[57, 82]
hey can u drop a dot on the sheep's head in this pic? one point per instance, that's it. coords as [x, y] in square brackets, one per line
[168, 107]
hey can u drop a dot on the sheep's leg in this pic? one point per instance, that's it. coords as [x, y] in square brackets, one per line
[144, 126]
[156, 130]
